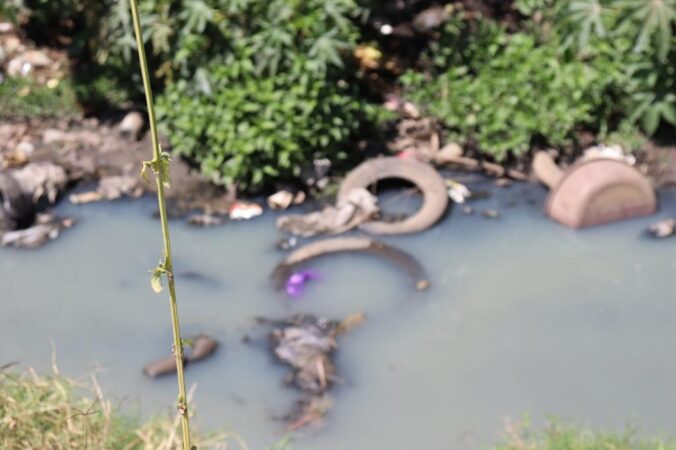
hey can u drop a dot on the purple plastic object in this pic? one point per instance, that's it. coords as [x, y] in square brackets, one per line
[296, 282]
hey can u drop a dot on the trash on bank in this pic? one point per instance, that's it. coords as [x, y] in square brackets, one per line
[284, 198]
[457, 192]
[241, 210]
[662, 229]
[350, 211]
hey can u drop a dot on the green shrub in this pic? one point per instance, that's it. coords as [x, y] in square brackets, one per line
[503, 90]
[22, 98]
[275, 95]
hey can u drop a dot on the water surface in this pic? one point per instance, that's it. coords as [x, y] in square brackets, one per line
[524, 317]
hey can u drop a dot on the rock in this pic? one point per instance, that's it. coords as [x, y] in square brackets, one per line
[46, 228]
[82, 137]
[132, 125]
[41, 179]
[280, 200]
[450, 150]
[663, 228]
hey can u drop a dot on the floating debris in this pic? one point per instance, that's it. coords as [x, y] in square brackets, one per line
[457, 192]
[201, 347]
[297, 280]
[662, 229]
[307, 345]
[490, 213]
[351, 211]
[204, 220]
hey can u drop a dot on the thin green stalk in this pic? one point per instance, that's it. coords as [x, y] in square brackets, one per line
[160, 165]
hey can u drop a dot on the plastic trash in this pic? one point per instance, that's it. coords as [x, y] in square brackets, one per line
[295, 285]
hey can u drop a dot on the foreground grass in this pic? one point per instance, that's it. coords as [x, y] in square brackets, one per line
[55, 412]
[558, 436]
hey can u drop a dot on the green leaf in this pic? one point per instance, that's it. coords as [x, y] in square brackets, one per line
[651, 119]
[156, 281]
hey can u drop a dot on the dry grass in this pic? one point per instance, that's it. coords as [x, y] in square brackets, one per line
[56, 412]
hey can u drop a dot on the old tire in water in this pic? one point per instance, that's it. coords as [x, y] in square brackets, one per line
[423, 176]
[600, 191]
[350, 244]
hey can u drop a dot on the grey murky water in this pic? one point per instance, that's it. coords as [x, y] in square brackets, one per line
[523, 317]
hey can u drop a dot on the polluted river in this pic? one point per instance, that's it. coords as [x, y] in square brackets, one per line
[523, 319]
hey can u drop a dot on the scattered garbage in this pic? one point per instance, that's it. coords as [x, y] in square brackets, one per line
[422, 175]
[201, 347]
[457, 192]
[131, 126]
[608, 152]
[467, 210]
[287, 243]
[352, 210]
[324, 247]
[595, 191]
[662, 229]
[307, 345]
[283, 199]
[490, 213]
[297, 280]
[241, 210]
[204, 220]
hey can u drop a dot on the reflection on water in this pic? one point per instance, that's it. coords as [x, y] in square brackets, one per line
[523, 317]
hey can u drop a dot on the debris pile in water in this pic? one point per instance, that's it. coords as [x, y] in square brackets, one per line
[307, 344]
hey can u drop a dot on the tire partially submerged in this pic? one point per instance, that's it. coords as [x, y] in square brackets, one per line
[423, 176]
[325, 247]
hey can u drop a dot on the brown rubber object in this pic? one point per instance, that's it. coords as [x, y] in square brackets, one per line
[350, 244]
[203, 346]
[600, 191]
[422, 175]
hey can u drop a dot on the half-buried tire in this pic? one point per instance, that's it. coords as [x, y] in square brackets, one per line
[326, 247]
[423, 176]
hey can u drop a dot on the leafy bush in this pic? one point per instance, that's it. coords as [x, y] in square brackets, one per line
[503, 90]
[275, 95]
[21, 98]
[603, 66]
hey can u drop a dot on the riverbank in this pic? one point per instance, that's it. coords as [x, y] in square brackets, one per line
[54, 411]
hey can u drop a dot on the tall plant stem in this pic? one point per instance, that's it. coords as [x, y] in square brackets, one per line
[167, 265]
